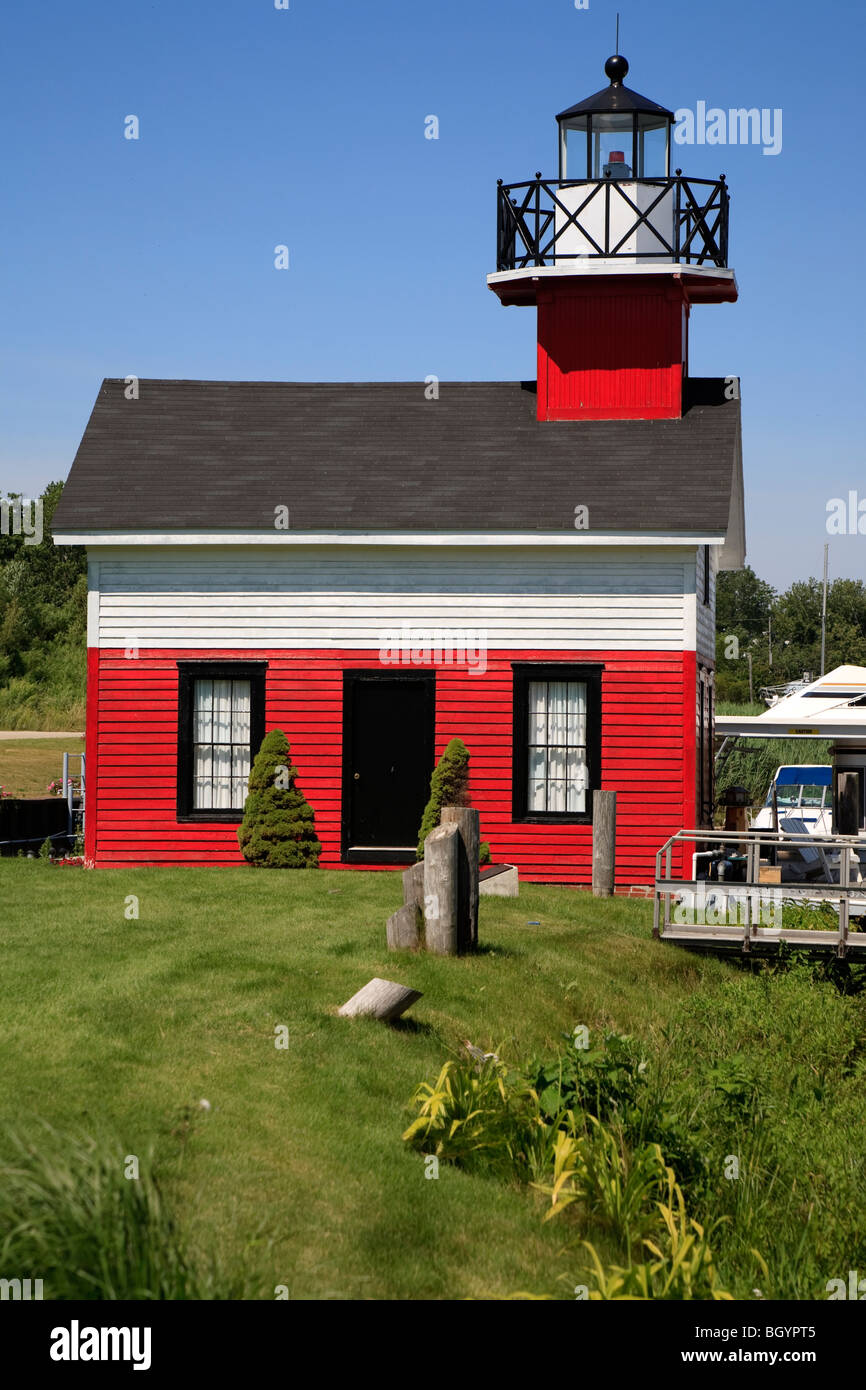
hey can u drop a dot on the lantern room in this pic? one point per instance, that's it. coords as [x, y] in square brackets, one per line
[616, 202]
[613, 254]
[615, 134]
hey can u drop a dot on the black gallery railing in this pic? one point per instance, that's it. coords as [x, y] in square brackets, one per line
[535, 227]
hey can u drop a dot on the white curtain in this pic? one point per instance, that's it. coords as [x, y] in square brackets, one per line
[222, 711]
[240, 742]
[558, 773]
[203, 712]
[537, 785]
[241, 720]
[240, 776]
[203, 776]
[221, 724]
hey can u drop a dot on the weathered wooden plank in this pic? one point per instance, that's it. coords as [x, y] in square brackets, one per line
[441, 890]
[413, 885]
[403, 931]
[382, 999]
[468, 823]
[603, 843]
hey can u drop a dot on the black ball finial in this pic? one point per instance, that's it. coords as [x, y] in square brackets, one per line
[616, 68]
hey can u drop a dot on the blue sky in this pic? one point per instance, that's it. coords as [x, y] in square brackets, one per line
[305, 127]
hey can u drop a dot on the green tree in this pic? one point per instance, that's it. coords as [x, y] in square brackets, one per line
[449, 786]
[745, 605]
[743, 602]
[798, 618]
[43, 608]
[797, 622]
[278, 830]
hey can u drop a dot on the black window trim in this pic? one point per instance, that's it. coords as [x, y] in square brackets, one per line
[188, 673]
[523, 672]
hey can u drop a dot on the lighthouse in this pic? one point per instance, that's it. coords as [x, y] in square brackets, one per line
[476, 569]
[613, 253]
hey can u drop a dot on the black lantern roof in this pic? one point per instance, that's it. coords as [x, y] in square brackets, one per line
[616, 97]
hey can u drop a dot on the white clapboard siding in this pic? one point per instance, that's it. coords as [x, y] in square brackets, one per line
[330, 598]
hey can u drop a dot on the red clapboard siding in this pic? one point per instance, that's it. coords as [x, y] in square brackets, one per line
[648, 755]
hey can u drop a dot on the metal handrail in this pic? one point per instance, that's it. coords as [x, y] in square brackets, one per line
[753, 842]
[526, 212]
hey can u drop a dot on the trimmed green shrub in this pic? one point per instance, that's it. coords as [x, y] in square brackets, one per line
[449, 786]
[278, 830]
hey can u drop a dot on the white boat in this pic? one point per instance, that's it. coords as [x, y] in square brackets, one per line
[772, 694]
[803, 800]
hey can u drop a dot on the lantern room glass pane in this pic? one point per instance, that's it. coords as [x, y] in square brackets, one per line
[572, 148]
[612, 146]
[653, 134]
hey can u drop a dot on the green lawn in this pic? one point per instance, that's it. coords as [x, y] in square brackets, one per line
[297, 1174]
[27, 765]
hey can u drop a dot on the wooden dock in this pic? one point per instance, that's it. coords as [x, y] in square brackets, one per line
[748, 915]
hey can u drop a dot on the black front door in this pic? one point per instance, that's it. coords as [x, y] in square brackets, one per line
[387, 761]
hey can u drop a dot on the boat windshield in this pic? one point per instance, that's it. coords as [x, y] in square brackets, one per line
[797, 794]
[813, 796]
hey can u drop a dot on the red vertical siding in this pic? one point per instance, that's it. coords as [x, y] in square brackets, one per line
[611, 351]
[648, 755]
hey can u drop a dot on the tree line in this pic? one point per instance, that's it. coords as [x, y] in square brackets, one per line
[43, 623]
[781, 632]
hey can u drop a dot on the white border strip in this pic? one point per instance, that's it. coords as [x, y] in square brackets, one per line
[575, 539]
[612, 266]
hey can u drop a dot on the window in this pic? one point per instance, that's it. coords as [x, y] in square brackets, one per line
[220, 729]
[557, 721]
[706, 576]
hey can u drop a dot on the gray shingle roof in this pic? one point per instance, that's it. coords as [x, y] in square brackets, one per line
[216, 455]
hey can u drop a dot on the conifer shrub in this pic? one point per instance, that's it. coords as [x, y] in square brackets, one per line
[449, 786]
[278, 830]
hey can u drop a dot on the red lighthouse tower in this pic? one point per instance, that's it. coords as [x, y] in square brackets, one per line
[613, 253]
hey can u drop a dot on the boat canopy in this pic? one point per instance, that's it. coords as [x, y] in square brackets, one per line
[801, 776]
[832, 707]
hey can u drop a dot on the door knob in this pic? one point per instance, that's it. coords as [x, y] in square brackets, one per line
[357, 776]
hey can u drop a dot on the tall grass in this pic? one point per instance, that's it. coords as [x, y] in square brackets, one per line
[753, 762]
[754, 1099]
[70, 1216]
[50, 694]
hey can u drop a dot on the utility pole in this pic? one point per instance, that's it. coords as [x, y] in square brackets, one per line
[770, 638]
[751, 692]
[824, 606]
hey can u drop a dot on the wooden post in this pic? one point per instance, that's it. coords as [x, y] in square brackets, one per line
[382, 998]
[413, 885]
[440, 890]
[603, 843]
[468, 823]
[403, 930]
